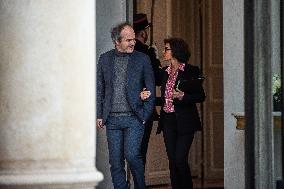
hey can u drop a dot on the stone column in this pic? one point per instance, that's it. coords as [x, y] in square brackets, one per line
[259, 147]
[47, 94]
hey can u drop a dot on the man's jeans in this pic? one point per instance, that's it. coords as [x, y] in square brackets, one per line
[124, 136]
[145, 141]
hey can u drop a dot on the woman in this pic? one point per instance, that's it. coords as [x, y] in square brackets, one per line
[181, 89]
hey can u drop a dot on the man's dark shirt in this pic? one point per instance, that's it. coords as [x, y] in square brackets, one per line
[150, 51]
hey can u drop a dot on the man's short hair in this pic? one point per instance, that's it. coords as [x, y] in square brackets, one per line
[116, 31]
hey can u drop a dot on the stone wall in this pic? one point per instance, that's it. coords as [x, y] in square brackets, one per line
[108, 13]
[233, 45]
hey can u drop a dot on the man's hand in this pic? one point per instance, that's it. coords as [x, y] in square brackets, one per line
[100, 123]
[145, 94]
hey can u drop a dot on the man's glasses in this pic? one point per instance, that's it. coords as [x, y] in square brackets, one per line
[167, 49]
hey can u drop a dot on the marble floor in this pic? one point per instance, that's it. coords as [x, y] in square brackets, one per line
[159, 187]
[169, 187]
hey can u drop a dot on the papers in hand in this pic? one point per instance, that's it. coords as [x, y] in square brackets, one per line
[191, 85]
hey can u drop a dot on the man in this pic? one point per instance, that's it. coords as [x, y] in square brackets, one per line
[122, 73]
[141, 28]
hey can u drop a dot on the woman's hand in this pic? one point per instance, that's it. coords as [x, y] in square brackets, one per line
[145, 94]
[178, 94]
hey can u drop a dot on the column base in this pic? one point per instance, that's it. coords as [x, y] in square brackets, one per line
[51, 180]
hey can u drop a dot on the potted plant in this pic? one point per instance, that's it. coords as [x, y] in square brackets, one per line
[276, 91]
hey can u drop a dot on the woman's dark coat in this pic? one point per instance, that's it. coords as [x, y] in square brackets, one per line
[188, 120]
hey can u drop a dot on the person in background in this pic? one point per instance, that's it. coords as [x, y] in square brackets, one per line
[122, 73]
[181, 89]
[141, 28]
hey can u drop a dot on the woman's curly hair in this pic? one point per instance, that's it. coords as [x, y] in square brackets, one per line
[180, 49]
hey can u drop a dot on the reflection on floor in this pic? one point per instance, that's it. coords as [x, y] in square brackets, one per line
[169, 187]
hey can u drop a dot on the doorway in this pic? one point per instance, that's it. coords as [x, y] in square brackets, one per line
[200, 23]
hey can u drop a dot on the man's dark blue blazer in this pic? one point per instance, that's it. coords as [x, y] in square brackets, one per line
[139, 75]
